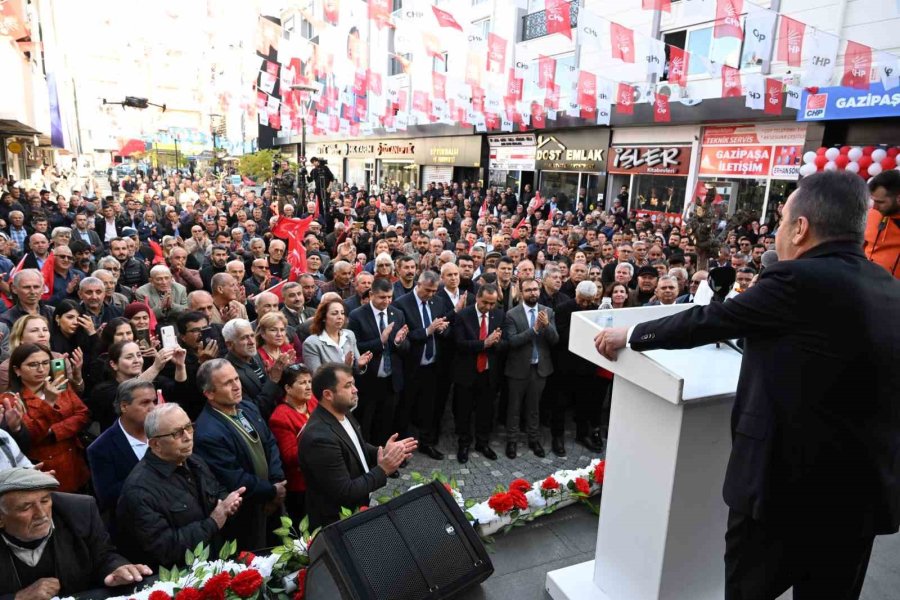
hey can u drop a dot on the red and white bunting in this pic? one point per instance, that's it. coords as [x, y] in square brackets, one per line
[622, 42]
[790, 41]
[774, 94]
[679, 63]
[559, 19]
[857, 66]
[728, 19]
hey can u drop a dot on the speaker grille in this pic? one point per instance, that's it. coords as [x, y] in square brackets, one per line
[435, 540]
[385, 561]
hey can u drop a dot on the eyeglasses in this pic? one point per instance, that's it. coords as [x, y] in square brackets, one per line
[178, 433]
[44, 364]
[63, 257]
[296, 367]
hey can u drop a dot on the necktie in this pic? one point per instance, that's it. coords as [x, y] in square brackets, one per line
[386, 357]
[429, 341]
[482, 362]
[534, 349]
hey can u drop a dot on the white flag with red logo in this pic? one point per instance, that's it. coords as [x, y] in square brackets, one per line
[731, 82]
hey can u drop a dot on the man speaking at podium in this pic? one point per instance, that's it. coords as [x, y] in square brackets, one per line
[814, 472]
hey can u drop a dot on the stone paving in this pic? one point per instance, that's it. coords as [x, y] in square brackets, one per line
[478, 478]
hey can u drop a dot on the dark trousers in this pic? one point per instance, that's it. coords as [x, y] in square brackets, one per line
[420, 404]
[295, 506]
[376, 409]
[478, 400]
[762, 561]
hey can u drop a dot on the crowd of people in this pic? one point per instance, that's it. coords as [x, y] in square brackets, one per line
[412, 302]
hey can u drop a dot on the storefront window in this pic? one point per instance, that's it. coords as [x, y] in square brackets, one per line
[402, 174]
[658, 193]
[561, 184]
[742, 195]
[778, 195]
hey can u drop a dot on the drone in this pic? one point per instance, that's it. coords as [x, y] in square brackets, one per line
[135, 102]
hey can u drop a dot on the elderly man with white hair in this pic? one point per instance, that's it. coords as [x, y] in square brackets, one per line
[259, 385]
[163, 295]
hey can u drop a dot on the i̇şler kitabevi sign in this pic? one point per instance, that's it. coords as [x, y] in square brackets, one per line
[830, 103]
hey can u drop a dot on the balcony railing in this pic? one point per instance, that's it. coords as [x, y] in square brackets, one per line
[534, 25]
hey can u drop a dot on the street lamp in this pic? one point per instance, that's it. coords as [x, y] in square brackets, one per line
[305, 106]
[214, 128]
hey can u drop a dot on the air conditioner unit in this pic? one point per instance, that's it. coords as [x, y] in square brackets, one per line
[672, 90]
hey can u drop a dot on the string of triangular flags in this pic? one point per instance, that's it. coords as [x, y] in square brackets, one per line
[490, 95]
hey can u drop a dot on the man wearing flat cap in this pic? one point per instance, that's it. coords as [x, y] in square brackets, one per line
[54, 544]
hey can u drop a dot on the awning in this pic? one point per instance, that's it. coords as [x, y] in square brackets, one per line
[132, 146]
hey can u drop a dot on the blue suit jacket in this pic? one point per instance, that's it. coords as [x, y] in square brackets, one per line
[111, 460]
[368, 339]
[220, 445]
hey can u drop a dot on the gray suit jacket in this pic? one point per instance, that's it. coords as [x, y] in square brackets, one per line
[147, 293]
[519, 336]
[317, 352]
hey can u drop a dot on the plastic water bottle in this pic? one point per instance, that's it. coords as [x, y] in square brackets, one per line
[607, 319]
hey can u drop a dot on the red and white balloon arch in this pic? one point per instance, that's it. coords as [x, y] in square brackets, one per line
[867, 161]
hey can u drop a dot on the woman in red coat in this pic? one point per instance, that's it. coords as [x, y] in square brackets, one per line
[54, 416]
[286, 424]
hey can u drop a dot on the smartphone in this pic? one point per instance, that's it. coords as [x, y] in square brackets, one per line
[206, 334]
[168, 337]
[142, 335]
[57, 366]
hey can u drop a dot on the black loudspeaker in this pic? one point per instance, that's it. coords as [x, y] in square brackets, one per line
[418, 546]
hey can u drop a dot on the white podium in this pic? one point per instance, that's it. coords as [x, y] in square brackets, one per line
[662, 524]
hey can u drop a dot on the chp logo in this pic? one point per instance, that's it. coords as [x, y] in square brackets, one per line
[815, 106]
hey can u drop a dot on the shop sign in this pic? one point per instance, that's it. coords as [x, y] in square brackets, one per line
[736, 160]
[652, 160]
[761, 133]
[572, 151]
[514, 152]
[459, 151]
[384, 149]
[829, 103]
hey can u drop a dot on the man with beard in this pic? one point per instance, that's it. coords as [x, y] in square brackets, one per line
[133, 273]
[466, 266]
[552, 282]
[218, 258]
[882, 241]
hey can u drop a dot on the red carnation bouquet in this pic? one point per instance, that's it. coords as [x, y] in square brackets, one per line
[246, 584]
[549, 487]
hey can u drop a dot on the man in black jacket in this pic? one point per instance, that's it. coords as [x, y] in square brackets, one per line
[340, 466]
[817, 397]
[54, 544]
[171, 501]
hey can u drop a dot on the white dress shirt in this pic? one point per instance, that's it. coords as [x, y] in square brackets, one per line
[345, 423]
[137, 446]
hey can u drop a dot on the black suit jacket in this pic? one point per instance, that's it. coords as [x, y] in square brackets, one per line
[82, 551]
[466, 330]
[816, 419]
[412, 313]
[335, 477]
[368, 339]
[265, 395]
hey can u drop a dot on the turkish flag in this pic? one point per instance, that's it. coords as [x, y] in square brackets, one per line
[728, 19]
[538, 116]
[380, 12]
[774, 90]
[857, 66]
[731, 82]
[546, 72]
[622, 40]
[661, 113]
[293, 230]
[496, 55]
[679, 63]
[558, 17]
[48, 273]
[439, 85]
[790, 41]
[625, 99]
[664, 5]
[587, 89]
[445, 19]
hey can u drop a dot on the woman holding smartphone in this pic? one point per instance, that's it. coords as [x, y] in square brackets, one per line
[71, 330]
[54, 416]
[33, 329]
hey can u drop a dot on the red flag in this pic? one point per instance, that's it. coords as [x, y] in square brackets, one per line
[275, 289]
[790, 40]
[774, 92]
[439, 85]
[380, 12]
[558, 17]
[663, 5]
[728, 19]
[679, 63]
[587, 89]
[538, 116]
[496, 55]
[445, 19]
[49, 275]
[514, 86]
[622, 40]
[293, 231]
[731, 82]
[551, 101]
[857, 66]
[419, 101]
[625, 99]
[661, 113]
[546, 72]
[158, 256]
[6, 299]
[332, 11]
[374, 82]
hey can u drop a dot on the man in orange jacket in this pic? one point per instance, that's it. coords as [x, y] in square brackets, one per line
[882, 241]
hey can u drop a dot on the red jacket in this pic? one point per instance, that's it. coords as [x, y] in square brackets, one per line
[65, 455]
[882, 241]
[286, 424]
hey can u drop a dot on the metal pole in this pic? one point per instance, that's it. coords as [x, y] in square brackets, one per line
[301, 162]
[175, 137]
